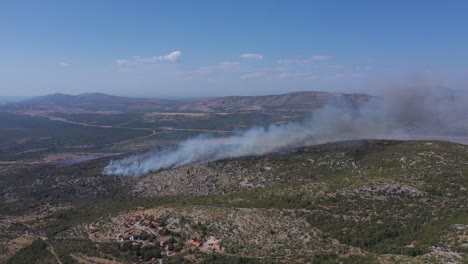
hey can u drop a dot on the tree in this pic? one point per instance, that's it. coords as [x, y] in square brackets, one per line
[172, 240]
[151, 253]
[170, 247]
[126, 246]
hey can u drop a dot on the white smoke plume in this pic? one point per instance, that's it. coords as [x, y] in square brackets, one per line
[385, 117]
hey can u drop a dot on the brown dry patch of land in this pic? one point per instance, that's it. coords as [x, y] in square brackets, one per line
[14, 245]
[65, 156]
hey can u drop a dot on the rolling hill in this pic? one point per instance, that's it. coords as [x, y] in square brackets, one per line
[298, 101]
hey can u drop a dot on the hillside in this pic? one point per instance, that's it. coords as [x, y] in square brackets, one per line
[90, 102]
[367, 201]
[298, 101]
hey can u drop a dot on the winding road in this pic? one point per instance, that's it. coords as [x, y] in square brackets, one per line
[60, 119]
[153, 132]
[461, 140]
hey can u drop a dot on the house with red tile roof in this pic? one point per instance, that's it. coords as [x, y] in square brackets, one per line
[194, 243]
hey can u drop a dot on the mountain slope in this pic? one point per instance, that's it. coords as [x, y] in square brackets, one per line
[299, 101]
[89, 101]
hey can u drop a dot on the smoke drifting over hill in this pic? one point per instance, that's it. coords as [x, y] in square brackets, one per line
[382, 117]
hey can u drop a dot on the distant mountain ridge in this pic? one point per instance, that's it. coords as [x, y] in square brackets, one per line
[296, 101]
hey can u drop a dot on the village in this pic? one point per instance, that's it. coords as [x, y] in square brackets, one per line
[152, 239]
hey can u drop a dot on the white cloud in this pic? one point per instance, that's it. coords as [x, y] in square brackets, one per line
[252, 56]
[172, 57]
[64, 64]
[304, 75]
[252, 75]
[137, 60]
[321, 57]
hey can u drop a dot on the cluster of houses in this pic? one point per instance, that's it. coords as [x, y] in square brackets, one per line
[141, 224]
[211, 245]
[146, 229]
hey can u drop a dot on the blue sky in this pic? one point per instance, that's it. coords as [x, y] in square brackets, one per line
[212, 48]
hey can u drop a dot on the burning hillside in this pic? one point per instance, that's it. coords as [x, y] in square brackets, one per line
[386, 117]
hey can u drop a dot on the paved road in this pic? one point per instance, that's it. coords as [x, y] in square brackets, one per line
[153, 132]
[60, 119]
[461, 140]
